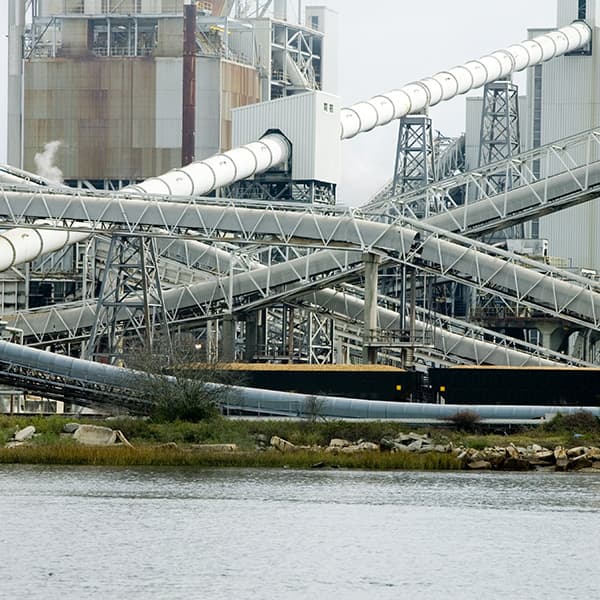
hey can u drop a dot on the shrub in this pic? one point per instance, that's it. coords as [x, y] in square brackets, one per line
[579, 422]
[465, 420]
[177, 386]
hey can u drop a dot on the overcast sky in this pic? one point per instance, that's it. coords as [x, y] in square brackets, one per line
[386, 47]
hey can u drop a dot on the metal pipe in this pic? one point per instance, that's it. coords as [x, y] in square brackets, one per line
[264, 401]
[202, 177]
[24, 244]
[415, 97]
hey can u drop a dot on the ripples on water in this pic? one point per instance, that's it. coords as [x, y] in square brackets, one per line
[166, 533]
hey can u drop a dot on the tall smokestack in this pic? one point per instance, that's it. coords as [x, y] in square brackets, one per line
[188, 126]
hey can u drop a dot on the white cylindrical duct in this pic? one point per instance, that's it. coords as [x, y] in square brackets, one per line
[415, 97]
[202, 177]
[24, 244]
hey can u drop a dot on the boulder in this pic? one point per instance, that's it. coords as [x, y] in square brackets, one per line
[544, 456]
[282, 445]
[339, 443]
[386, 443]
[579, 462]
[444, 449]
[414, 446]
[562, 461]
[368, 447]
[479, 465]
[515, 464]
[24, 434]
[215, 447]
[594, 454]
[14, 444]
[578, 451]
[94, 435]
[512, 452]
[70, 427]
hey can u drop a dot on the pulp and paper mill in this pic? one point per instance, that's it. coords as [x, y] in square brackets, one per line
[172, 181]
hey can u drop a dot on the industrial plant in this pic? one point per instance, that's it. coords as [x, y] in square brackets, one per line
[172, 176]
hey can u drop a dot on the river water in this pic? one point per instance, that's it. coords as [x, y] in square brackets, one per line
[83, 532]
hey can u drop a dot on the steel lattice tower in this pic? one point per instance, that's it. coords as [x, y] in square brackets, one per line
[415, 164]
[131, 287]
[500, 139]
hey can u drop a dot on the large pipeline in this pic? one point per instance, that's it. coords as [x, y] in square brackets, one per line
[445, 85]
[202, 177]
[259, 401]
[24, 244]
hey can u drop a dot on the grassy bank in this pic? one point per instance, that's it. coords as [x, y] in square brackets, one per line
[185, 457]
[149, 439]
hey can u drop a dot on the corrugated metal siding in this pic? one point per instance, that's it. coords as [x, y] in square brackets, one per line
[571, 104]
[168, 102]
[103, 110]
[310, 121]
[208, 107]
[472, 131]
[567, 11]
[240, 86]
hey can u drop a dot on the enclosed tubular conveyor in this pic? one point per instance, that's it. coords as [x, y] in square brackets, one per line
[74, 376]
[202, 177]
[415, 97]
[24, 244]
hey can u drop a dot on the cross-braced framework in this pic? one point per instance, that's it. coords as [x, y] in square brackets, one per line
[414, 166]
[130, 300]
[569, 176]
[500, 134]
[409, 241]
[500, 140]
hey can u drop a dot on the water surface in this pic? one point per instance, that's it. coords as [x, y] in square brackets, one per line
[148, 533]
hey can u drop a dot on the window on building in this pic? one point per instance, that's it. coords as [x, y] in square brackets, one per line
[582, 9]
[314, 22]
[123, 36]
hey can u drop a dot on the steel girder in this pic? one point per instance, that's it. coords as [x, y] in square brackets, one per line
[204, 299]
[464, 340]
[570, 171]
[452, 336]
[434, 250]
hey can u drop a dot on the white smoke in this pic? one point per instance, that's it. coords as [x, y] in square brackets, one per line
[44, 162]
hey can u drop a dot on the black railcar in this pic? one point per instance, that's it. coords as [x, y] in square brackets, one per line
[562, 386]
[372, 382]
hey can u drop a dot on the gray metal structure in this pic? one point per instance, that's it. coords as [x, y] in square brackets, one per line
[333, 241]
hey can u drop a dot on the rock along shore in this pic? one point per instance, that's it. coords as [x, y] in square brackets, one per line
[498, 458]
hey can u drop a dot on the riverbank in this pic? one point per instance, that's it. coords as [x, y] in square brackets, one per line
[568, 444]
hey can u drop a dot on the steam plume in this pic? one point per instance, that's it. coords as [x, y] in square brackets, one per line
[44, 162]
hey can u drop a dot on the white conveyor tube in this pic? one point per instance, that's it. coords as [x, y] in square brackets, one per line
[201, 177]
[24, 244]
[415, 97]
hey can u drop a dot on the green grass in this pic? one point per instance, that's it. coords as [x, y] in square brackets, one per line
[68, 454]
[49, 447]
